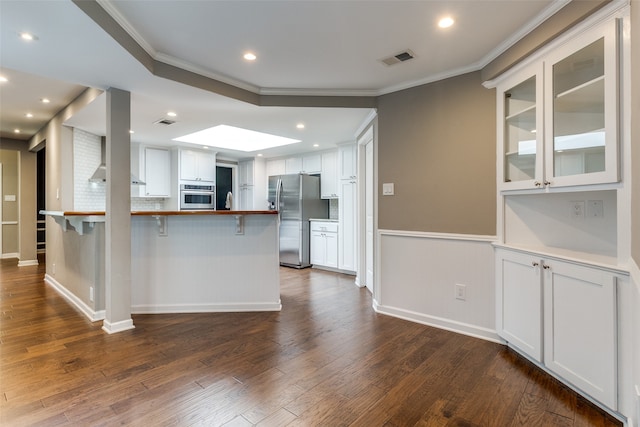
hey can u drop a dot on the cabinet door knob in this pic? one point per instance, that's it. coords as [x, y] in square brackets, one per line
[535, 264]
[537, 184]
[546, 267]
[547, 183]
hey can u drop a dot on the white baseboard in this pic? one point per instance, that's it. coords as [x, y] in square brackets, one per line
[113, 328]
[92, 315]
[204, 308]
[27, 262]
[10, 255]
[441, 323]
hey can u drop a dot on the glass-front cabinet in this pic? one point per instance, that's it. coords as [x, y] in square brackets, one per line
[559, 116]
[522, 134]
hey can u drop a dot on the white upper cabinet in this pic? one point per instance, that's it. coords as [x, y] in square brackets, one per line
[245, 172]
[276, 167]
[329, 175]
[558, 117]
[197, 166]
[157, 165]
[312, 164]
[293, 165]
[347, 161]
[309, 164]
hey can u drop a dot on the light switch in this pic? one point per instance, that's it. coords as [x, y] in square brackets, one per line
[387, 189]
[9, 197]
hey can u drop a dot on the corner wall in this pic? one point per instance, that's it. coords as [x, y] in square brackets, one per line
[66, 258]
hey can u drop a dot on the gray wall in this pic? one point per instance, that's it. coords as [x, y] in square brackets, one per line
[437, 144]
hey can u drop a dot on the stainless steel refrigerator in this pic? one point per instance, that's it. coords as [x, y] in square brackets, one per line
[297, 198]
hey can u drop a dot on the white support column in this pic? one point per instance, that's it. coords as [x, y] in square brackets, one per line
[118, 214]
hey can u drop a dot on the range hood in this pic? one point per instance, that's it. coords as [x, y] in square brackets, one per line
[100, 175]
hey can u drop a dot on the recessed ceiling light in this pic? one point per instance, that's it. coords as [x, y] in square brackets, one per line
[28, 115]
[45, 100]
[300, 125]
[445, 22]
[259, 154]
[16, 131]
[233, 138]
[171, 114]
[316, 145]
[27, 36]
[205, 147]
[3, 79]
[250, 56]
[131, 132]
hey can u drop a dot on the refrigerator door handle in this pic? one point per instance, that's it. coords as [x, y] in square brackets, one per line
[278, 198]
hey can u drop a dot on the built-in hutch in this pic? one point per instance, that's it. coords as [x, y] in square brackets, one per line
[560, 257]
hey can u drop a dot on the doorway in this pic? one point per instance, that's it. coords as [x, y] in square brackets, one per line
[40, 201]
[224, 186]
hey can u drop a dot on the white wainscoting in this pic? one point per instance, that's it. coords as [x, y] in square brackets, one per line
[417, 276]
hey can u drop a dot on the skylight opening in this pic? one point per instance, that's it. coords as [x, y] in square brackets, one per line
[233, 138]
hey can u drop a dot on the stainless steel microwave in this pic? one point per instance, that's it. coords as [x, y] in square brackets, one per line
[197, 197]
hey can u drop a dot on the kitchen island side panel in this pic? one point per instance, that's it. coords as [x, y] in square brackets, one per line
[202, 265]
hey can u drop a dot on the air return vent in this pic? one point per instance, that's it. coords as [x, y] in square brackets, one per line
[399, 57]
[165, 122]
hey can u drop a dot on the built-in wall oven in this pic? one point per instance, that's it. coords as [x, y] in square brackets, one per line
[197, 197]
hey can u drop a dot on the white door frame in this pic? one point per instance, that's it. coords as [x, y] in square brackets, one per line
[368, 135]
[1, 199]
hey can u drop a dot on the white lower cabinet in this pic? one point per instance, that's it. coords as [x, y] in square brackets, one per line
[324, 244]
[520, 313]
[563, 315]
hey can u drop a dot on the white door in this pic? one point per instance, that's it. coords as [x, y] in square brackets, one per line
[369, 192]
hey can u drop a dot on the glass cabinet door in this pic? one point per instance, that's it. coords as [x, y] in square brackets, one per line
[521, 114]
[582, 140]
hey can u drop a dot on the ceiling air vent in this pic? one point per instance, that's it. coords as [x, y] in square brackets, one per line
[165, 122]
[399, 57]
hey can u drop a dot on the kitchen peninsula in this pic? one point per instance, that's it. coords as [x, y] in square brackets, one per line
[182, 261]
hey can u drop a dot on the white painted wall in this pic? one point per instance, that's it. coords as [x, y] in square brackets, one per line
[418, 272]
[203, 265]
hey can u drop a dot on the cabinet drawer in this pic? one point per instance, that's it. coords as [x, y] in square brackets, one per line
[325, 227]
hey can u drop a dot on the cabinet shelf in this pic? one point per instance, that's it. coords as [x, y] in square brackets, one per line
[587, 97]
[526, 112]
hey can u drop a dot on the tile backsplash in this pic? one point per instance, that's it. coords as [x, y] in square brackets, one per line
[333, 209]
[91, 196]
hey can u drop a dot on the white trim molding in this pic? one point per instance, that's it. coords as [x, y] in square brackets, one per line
[113, 328]
[27, 262]
[441, 323]
[92, 315]
[442, 236]
[10, 255]
[204, 308]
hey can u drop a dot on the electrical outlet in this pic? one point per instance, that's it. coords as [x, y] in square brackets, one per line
[53, 268]
[461, 292]
[577, 209]
[595, 209]
[91, 293]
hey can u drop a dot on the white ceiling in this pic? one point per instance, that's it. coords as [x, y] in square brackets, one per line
[303, 47]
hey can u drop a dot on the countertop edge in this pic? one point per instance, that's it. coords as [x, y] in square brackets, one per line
[159, 213]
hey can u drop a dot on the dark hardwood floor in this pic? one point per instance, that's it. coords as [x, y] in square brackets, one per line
[325, 360]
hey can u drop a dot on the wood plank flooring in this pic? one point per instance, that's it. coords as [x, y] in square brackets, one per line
[327, 359]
